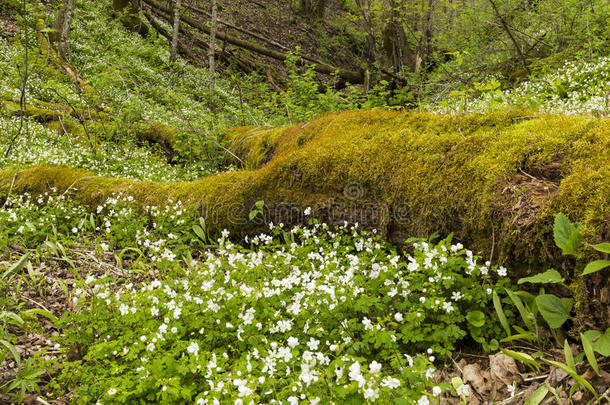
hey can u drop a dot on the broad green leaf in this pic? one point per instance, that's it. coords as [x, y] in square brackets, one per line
[6, 316]
[554, 310]
[11, 108]
[597, 265]
[549, 276]
[456, 382]
[500, 313]
[476, 318]
[523, 358]
[199, 232]
[260, 204]
[566, 234]
[579, 380]
[567, 351]
[602, 247]
[600, 342]
[588, 348]
[253, 214]
[538, 395]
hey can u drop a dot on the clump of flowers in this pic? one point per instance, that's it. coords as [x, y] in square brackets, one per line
[304, 314]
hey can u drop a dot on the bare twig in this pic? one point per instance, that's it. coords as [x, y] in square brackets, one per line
[511, 36]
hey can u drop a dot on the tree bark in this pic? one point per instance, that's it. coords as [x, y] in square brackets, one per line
[212, 49]
[172, 52]
[61, 27]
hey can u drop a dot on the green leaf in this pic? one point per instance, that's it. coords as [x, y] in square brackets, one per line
[523, 358]
[567, 351]
[6, 315]
[602, 247]
[588, 348]
[456, 382]
[579, 380]
[500, 312]
[521, 336]
[17, 266]
[526, 315]
[12, 350]
[260, 204]
[596, 265]
[42, 312]
[538, 395]
[549, 276]
[199, 232]
[566, 234]
[600, 342]
[253, 214]
[476, 318]
[554, 310]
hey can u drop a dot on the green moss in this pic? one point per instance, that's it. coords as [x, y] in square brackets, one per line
[157, 133]
[45, 112]
[495, 180]
[40, 114]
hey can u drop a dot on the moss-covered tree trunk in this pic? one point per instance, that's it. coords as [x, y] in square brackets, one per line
[129, 13]
[495, 181]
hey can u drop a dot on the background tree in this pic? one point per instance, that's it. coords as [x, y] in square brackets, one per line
[174, 46]
[61, 27]
[212, 50]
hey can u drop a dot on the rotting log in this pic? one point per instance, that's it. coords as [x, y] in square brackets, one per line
[496, 181]
[62, 118]
[43, 111]
[350, 76]
[182, 48]
[224, 55]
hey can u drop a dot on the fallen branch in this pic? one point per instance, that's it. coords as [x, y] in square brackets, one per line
[320, 67]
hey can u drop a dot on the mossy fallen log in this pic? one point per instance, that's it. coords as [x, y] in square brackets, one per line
[495, 180]
[44, 111]
[65, 119]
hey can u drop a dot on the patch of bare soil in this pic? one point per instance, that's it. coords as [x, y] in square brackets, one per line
[499, 379]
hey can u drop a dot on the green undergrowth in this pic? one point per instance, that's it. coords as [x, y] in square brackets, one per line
[577, 87]
[505, 173]
[310, 312]
[134, 86]
[57, 145]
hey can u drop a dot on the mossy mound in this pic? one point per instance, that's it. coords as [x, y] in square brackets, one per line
[160, 134]
[495, 180]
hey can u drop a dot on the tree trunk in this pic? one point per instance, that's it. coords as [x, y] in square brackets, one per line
[319, 9]
[129, 11]
[306, 7]
[212, 49]
[172, 52]
[511, 36]
[61, 28]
